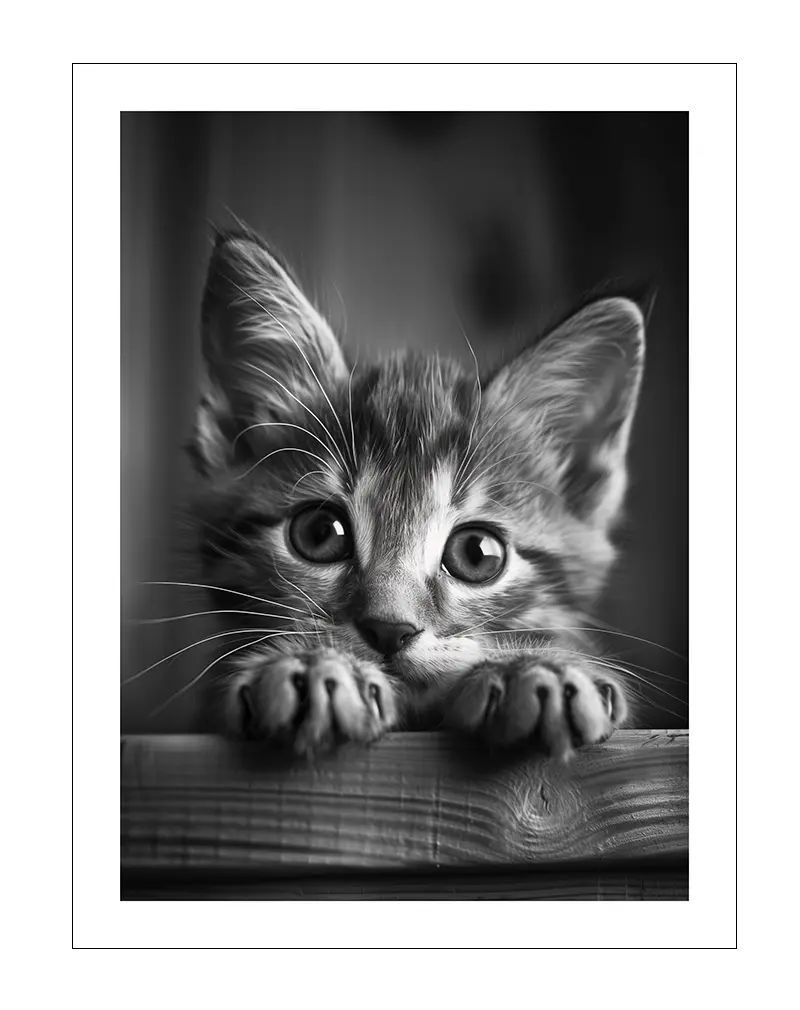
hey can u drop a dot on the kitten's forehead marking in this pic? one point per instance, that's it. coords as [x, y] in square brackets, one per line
[363, 504]
[438, 517]
[416, 528]
[477, 501]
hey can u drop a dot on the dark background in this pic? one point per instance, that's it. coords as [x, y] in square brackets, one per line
[404, 227]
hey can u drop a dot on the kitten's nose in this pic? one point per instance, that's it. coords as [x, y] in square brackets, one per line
[386, 637]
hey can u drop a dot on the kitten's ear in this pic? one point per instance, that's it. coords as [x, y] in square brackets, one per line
[266, 349]
[581, 384]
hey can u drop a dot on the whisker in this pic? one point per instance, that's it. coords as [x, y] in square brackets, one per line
[202, 641]
[607, 631]
[545, 647]
[494, 617]
[501, 483]
[611, 629]
[302, 592]
[350, 405]
[644, 680]
[226, 533]
[286, 448]
[288, 333]
[491, 466]
[222, 551]
[325, 500]
[620, 669]
[211, 638]
[476, 473]
[208, 613]
[634, 638]
[655, 673]
[662, 708]
[203, 672]
[288, 391]
[221, 589]
[309, 474]
[639, 697]
[480, 391]
[494, 424]
[286, 424]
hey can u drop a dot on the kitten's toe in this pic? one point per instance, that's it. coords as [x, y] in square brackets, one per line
[273, 697]
[315, 700]
[343, 707]
[496, 703]
[586, 715]
[529, 700]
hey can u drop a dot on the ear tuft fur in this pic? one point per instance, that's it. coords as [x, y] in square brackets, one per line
[581, 384]
[268, 352]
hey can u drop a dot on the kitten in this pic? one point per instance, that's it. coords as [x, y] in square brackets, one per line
[400, 544]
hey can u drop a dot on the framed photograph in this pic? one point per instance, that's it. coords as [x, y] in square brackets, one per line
[405, 442]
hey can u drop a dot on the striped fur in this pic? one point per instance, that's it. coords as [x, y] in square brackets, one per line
[410, 449]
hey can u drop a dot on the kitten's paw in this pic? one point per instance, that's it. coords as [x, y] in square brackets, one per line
[525, 698]
[314, 700]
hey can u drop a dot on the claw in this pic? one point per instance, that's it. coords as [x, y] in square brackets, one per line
[375, 696]
[247, 713]
[607, 693]
[492, 703]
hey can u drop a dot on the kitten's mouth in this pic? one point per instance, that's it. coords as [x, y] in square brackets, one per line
[428, 661]
[425, 661]
[407, 670]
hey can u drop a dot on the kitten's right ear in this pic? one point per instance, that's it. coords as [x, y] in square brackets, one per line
[269, 355]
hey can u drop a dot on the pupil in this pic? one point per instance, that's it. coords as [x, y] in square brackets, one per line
[474, 550]
[320, 531]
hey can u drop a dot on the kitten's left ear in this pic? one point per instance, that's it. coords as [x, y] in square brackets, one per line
[581, 384]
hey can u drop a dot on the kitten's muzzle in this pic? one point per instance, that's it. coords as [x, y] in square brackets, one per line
[386, 637]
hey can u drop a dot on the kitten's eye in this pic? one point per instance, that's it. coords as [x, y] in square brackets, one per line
[473, 554]
[321, 534]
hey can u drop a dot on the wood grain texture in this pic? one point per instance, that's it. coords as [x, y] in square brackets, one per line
[417, 802]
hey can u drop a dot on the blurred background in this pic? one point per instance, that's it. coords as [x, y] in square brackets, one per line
[403, 227]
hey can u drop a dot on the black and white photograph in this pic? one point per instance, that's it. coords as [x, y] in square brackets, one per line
[404, 530]
[404, 505]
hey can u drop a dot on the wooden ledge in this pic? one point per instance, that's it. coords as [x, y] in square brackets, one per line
[417, 803]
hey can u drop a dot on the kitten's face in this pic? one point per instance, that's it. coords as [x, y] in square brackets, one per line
[405, 511]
